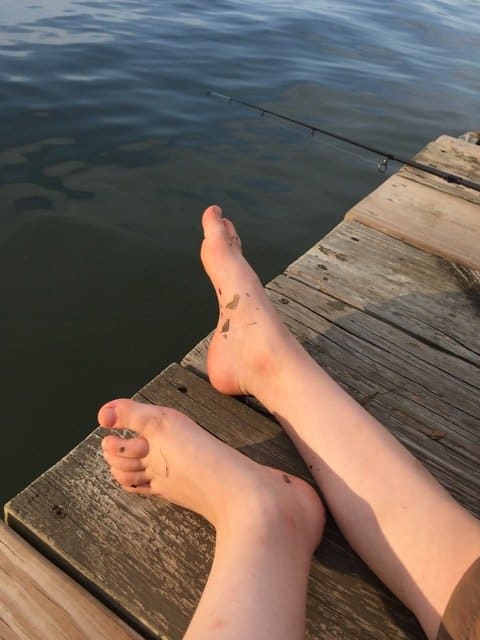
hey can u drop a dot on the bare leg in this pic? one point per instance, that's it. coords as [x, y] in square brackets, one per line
[268, 523]
[405, 526]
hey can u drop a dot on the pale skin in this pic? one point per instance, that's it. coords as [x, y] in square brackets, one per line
[395, 515]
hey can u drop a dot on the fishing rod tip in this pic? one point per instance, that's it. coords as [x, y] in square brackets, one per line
[217, 94]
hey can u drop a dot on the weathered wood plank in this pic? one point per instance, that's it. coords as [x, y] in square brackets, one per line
[443, 378]
[421, 406]
[424, 217]
[453, 155]
[39, 601]
[397, 283]
[151, 559]
[462, 379]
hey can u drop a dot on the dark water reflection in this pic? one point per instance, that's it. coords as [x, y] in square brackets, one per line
[110, 150]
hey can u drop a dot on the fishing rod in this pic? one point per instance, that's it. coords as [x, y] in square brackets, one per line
[382, 166]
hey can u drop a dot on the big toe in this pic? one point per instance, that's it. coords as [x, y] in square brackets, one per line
[212, 222]
[128, 414]
[217, 228]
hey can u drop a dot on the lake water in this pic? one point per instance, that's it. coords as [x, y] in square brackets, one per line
[110, 149]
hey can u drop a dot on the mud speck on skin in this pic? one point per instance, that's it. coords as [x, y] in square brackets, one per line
[233, 304]
[226, 326]
[219, 291]
[286, 478]
[121, 449]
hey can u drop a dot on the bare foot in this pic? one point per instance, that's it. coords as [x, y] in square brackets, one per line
[250, 339]
[175, 458]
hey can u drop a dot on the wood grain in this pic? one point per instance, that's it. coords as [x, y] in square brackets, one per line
[427, 218]
[453, 155]
[39, 601]
[410, 289]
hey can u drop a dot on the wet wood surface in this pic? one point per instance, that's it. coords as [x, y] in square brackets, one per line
[395, 325]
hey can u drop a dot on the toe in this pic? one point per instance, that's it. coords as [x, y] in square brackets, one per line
[213, 224]
[142, 490]
[128, 414]
[125, 447]
[124, 464]
[232, 232]
[130, 478]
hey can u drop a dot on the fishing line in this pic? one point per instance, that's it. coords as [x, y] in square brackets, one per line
[341, 147]
[381, 166]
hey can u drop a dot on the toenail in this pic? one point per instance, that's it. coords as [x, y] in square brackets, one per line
[109, 415]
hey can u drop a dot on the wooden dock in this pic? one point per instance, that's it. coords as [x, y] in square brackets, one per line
[388, 303]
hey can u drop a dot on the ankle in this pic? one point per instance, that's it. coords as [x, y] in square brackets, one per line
[278, 509]
[270, 373]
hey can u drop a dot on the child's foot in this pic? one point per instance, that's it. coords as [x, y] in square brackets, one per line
[250, 340]
[175, 458]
